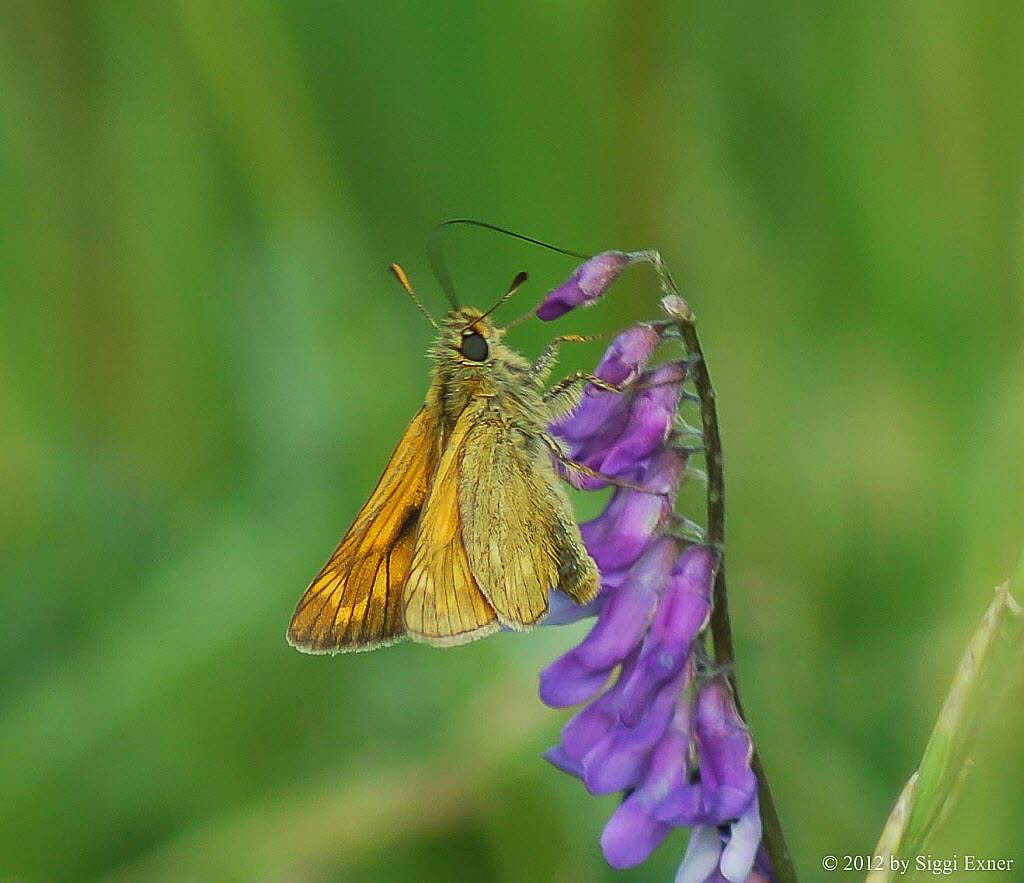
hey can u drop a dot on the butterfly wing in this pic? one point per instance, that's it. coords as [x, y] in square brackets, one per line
[355, 601]
[517, 524]
[443, 604]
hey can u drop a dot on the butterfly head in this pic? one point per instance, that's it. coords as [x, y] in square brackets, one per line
[467, 334]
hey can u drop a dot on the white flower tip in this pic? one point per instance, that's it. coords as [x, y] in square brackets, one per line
[702, 854]
[741, 850]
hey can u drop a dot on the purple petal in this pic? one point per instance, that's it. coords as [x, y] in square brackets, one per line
[633, 426]
[681, 806]
[683, 610]
[726, 785]
[634, 830]
[618, 536]
[621, 364]
[631, 834]
[601, 414]
[611, 580]
[627, 354]
[590, 725]
[621, 758]
[563, 610]
[587, 283]
[626, 615]
[558, 757]
[570, 680]
[727, 782]
[650, 419]
[589, 728]
[652, 671]
[686, 605]
[670, 759]
[666, 787]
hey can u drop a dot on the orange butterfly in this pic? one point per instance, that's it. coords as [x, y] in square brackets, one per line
[468, 528]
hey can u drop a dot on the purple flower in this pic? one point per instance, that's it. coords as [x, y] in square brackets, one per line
[724, 785]
[600, 409]
[615, 435]
[589, 281]
[633, 831]
[683, 611]
[620, 627]
[654, 726]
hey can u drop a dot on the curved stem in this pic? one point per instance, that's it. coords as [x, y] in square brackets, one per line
[721, 628]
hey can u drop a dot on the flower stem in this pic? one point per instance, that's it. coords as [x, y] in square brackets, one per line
[721, 628]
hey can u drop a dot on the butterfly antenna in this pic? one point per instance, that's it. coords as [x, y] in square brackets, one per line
[403, 280]
[517, 283]
[435, 251]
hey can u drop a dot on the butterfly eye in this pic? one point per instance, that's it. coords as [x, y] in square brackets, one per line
[474, 347]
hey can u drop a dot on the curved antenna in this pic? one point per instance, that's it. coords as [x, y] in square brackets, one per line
[435, 251]
[517, 283]
[403, 280]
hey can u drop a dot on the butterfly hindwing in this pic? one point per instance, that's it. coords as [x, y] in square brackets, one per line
[443, 604]
[517, 526]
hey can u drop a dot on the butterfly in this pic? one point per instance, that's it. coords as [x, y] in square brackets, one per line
[469, 527]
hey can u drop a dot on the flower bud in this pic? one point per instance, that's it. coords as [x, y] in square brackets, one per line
[588, 282]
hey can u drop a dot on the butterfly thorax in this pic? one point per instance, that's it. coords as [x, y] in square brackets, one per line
[473, 367]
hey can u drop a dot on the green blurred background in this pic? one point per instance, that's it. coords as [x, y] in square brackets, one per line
[203, 368]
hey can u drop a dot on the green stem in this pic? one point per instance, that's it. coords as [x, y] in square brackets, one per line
[721, 629]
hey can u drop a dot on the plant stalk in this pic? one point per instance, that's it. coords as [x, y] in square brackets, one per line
[721, 628]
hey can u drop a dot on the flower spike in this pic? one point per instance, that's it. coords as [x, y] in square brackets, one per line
[661, 721]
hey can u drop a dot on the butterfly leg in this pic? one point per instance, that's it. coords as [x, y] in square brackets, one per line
[570, 384]
[583, 469]
[541, 369]
[565, 395]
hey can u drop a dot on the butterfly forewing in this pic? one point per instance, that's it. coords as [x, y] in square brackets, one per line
[355, 602]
